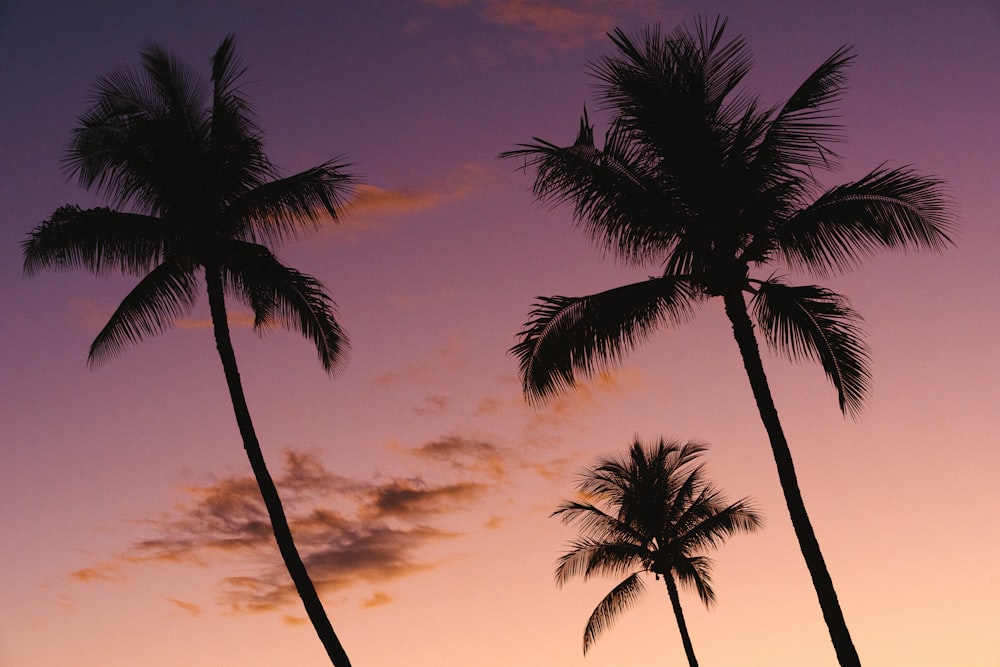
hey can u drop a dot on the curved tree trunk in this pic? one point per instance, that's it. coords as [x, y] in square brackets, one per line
[675, 601]
[743, 330]
[282, 533]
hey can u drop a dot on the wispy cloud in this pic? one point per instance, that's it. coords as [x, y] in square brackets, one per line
[560, 24]
[349, 531]
[374, 206]
[189, 608]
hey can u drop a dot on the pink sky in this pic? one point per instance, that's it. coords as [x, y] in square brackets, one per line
[417, 478]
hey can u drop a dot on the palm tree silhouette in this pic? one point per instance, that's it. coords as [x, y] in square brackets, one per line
[656, 513]
[698, 178]
[188, 161]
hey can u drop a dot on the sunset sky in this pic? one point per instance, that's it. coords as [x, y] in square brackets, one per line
[418, 481]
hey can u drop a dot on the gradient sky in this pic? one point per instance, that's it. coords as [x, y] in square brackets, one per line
[418, 480]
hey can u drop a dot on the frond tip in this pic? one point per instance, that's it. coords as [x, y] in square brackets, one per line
[810, 322]
[567, 336]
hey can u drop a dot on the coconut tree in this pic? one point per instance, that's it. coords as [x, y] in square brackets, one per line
[699, 180]
[193, 196]
[651, 511]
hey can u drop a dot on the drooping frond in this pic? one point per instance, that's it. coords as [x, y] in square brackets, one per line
[279, 210]
[621, 598]
[590, 556]
[281, 296]
[895, 209]
[97, 239]
[810, 322]
[695, 573]
[570, 335]
[166, 293]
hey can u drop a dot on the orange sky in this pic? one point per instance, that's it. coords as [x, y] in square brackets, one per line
[418, 481]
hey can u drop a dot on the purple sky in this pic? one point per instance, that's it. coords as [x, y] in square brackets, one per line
[126, 536]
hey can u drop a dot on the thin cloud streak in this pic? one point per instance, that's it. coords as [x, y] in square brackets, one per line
[560, 25]
[373, 205]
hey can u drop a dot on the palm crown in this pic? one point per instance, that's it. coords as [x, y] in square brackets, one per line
[696, 177]
[188, 160]
[652, 510]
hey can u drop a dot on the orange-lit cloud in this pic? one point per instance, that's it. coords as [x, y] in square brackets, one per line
[348, 531]
[561, 24]
[377, 599]
[571, 23]
[92, 317]
[466, 455]
[447, 359]
[373, 205]
[566, 406]
[98, 573]
[236, 318]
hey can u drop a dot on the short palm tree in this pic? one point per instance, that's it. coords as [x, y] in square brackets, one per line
[650, 511]
[696, 178]
[194, 195]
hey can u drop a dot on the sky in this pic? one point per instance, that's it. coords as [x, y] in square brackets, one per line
[418, 481]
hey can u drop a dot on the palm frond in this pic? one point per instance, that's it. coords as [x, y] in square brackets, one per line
[896, 209]
[614, 196]
[278, 210]
[810, 322]
[800, 134]
[166, 293]
[621, 598]
[570, 335]
[179, 86]
[710, 519]
[97, 239]
[587, 557]
[696, 573]
[598, 526]
[144, 140]
[282, 296]
[239, 161]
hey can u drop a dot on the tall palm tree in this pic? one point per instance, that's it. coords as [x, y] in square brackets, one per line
[656, 513]
[187, 162]
[696, 177]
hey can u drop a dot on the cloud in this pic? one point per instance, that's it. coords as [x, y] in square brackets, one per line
[573, 24]
[432, 405]
[348, 531]
[373, 205]
[98, 573]
[450, 358]
[189, 608]
[236, 318]
[566, 406]
[465, 455]
[377, 599]
[561, 24]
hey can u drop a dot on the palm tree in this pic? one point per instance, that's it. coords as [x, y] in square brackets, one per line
[187, 161]
[659, 515]
[699, 179]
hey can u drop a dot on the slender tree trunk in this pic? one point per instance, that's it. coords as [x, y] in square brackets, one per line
[282, 533]
[736, 310]
[675, 601]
